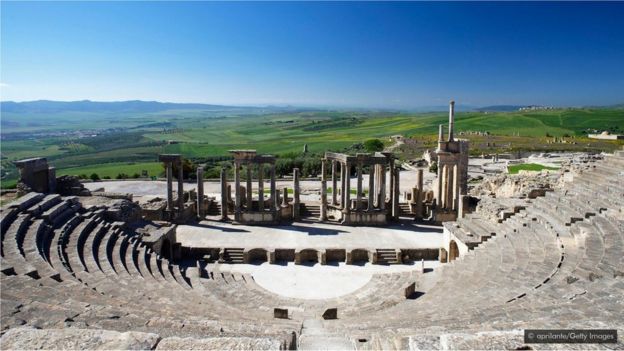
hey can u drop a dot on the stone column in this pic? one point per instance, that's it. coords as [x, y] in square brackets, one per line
[334, 184]
[347, 188]
[419, 198]
[443, 181]
[455, 195]
[358, 204]
[323, 191]
[260, 187]
[449, 187]
[296, 203]
[200, 192]
[285, 197]
[180, 187]
[249, 197]
[237, 190]
[169, 186]
[451, 120]
[438, 196]
[224, 194]
[274, 199]
[382, 188]
[342, 185]
[396, 194]
[391, 190]
[371, 186]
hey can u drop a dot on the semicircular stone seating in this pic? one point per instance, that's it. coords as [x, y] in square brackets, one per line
[559, 262]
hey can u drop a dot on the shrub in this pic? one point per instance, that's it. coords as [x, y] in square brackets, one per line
[373, 145]
[94, 177]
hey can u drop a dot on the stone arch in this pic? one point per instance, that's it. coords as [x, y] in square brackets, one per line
[257, 255]
[359, 256]
[453, 251]
[308, 256]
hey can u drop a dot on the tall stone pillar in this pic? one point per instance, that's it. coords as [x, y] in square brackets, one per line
[382, 188]
[455, 195]
[260, 187]
[285, 197]
[249, 197]
[358, 204]
[237, 191]
[451, 119]
[334, 184]
[169, 187]
[420, 194]
[438, 194]
[347, 188]
[323, 215]
[342, 185]
[440, 133]
[200, 192]
[449, 187]
[391, 190]
[442, 202]
[224, 194]
[180, 188]
[396, 194]
[274, 199]
[296, 201]
[371, 186]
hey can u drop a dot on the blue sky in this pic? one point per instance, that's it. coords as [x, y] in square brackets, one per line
[399, 55]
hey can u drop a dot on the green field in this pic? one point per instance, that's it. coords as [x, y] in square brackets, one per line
[108, 144]
[113, 169]
[534, 167]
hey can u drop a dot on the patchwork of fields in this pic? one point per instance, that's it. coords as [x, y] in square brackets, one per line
[109, 144]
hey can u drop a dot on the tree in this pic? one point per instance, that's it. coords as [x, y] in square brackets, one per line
[136, 176]
[188, 168]
[94, 177]
[122, 176]
[372, 145]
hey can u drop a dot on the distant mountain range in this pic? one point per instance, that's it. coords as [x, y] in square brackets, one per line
[47, 106]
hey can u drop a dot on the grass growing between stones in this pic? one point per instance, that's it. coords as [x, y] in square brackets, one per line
[534, 167]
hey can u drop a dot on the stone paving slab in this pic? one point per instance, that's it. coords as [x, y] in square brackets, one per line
[405, 235]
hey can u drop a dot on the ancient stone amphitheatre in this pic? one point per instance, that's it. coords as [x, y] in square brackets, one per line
[372, 254]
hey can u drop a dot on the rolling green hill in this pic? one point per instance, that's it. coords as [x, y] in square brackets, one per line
[88, 141]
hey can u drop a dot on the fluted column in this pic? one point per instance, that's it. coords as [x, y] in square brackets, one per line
[169, 186]
[274, 200]
[455, 194]
[224, 194]
[296, 200]
[382, 188]
[323, 216]
[260, 187]
[249, 202]
[358, 204]
[237, 190]
[334, 184]
[180, 188]
[371, 186]
[347, 188]
[200, 192]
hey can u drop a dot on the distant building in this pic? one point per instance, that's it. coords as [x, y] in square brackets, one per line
[606, 136]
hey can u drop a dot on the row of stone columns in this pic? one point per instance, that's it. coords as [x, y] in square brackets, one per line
[376, 186]
[239, 190]
[170, 160]
[448, 186]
